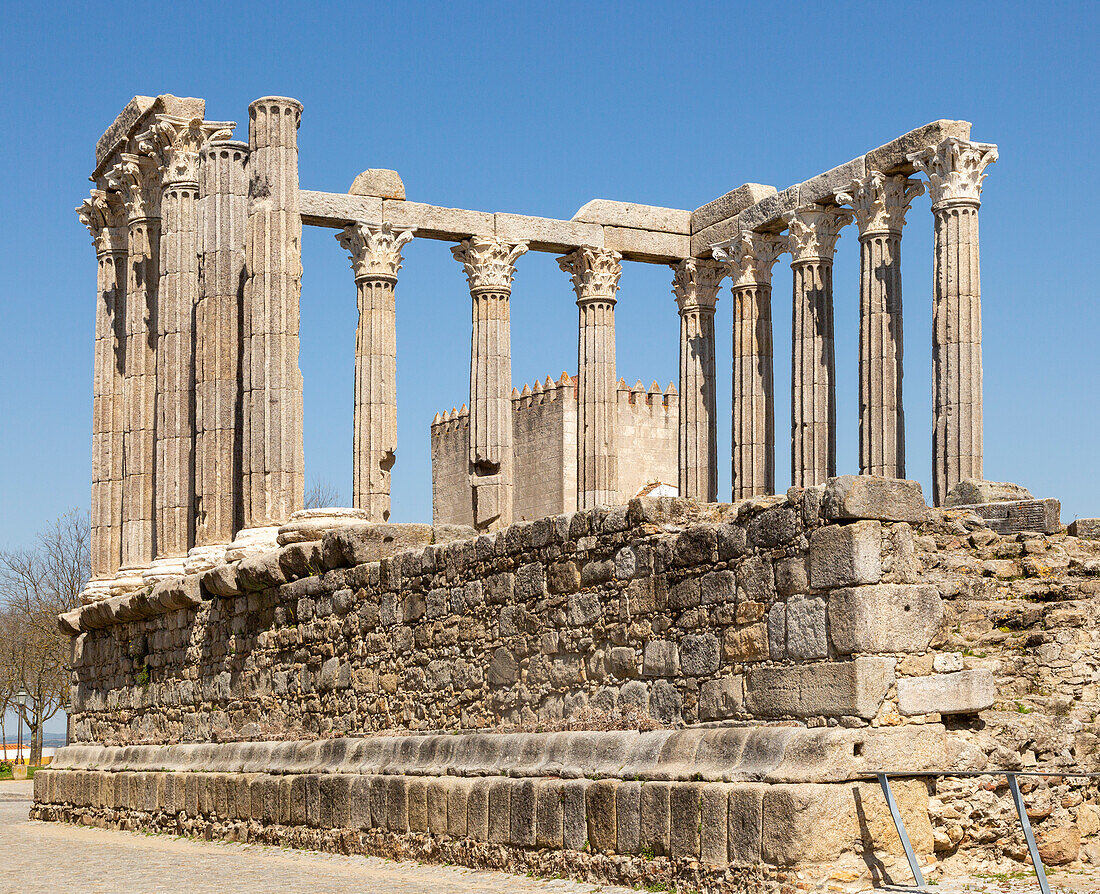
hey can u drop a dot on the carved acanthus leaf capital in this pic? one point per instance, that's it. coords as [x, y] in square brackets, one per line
[880, 203]
[955, 169]
[696, 282]
[751, 256]
[595, 272]
[812, 232]
[136, 178]
[105, 217]
[490, 264]
[374, 249]
[174, 144]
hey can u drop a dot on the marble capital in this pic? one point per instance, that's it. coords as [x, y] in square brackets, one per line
[136, 178]
[751, 256]
[374, 250]
[490, 264]
[174, 144]
[105, 217]
[880, 203]
[955, 169]
[812, 232]
[595, 273]
[696, 283]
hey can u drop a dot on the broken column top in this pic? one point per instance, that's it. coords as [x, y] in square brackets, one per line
[133, 117]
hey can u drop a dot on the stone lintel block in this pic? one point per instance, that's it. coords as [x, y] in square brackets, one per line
[1085, 528]
[639, 217]
[846, 555]
[703, 241]
[821, 689]
[891, 158]
[963, 692]
[767, 214]
[546, 234]
[1042, 516]
[870, 497]
[729, 205]
[380, 182]
[433, 222]
[824, 187]
[647, 245]
[337, 210]
[884, 618]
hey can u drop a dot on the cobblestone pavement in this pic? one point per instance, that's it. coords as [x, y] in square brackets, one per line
[53, 857]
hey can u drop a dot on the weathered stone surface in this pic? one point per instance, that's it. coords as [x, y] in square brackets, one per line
[893, 157]
[647, 245]
[635, 216]
[767, 214]
[433, 222]
[867, 497]
[824, 187]
[846, 555]
[1042, 516]
[722, 698]
[729, 205]
[854, 688]
[1088, 528]
[661, 659]
[1059, 846]
[357, 543]
[884, 618]
[380, 182]
[545, 234]
[806, 639]
[337, 210]
[963, 692]
[975, 490]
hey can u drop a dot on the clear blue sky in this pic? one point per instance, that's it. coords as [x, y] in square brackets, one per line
[502, 106]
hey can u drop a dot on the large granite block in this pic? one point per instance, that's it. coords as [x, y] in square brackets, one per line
[963, 692]
[884, 618]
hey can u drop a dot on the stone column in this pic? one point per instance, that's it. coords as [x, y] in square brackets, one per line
[812, 234]
[880, 204]
[174, 143]
[105, 217]
[490, 266]
[271, 405]
[595, 274]
[695, 285]
[137, 179]
[956, 169]
[223, 201]
[375, 258]
[752, 256]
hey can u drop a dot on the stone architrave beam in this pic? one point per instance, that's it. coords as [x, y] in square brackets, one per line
[955, 169]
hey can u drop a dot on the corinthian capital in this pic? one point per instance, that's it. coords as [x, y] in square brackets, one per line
[374, 250]
[955, 169]
[594, 271]
[174, 144]
[137, 181]
[880, 203]
[812, 232]
[751, 257]
[695, 283]
[489, 263]
[105, 217]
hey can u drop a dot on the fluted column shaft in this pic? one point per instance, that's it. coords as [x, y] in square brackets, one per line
[138, 180]
[695, 286]
[490, 266]
[375, 253]
[105, 218]
[272, 460]
[813, 233]
[223, 192]
[751, 256]
[880, 204]
[955, 170]
[595, 274]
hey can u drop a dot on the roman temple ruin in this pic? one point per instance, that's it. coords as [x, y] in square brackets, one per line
[568, 671]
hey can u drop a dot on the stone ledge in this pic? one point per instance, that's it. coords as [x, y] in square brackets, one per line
[760, 753]
[1017, 516]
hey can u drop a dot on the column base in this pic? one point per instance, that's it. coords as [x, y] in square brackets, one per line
[203, 558]
[95, 589]
[128, 580]
[252, 541]
[164, 568]
[311, 524]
